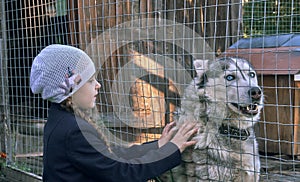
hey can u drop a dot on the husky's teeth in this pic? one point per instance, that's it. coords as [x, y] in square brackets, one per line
[252, 107]
[249, 109]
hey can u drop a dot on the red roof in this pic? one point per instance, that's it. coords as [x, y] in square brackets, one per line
[269, 61]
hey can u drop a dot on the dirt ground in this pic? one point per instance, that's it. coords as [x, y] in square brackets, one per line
[280, 169]
[273, 169]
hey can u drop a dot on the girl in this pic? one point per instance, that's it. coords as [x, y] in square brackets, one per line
[75, 148]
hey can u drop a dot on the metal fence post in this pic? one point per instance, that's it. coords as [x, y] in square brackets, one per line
[4, 109]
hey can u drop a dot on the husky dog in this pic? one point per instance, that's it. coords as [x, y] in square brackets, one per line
[225, 101]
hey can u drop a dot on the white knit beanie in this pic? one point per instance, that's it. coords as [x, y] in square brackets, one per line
[58, 71]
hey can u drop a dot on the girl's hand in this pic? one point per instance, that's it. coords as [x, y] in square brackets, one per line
[167, 134]
[183, 135]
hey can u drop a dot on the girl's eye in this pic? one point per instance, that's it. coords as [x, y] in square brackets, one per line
[252, 74]
[230, 77]
[92, 80]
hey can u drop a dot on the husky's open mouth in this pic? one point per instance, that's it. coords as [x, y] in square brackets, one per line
[250, 109]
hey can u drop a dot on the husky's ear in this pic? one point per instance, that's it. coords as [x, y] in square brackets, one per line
[201, 67]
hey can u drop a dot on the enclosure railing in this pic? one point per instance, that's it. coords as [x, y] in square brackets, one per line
[145, 51]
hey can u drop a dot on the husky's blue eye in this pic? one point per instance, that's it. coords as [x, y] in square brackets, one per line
[252, 74]
[230, 77]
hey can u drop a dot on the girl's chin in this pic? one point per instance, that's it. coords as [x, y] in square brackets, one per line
[91, 106]
[87, 107]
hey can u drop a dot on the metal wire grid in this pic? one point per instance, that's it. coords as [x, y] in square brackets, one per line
[30, 26]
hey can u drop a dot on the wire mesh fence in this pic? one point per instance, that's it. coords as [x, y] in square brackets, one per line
[145, 50]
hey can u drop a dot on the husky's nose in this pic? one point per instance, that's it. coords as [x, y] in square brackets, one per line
[255, 93]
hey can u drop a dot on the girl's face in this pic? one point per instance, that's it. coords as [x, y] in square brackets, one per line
[85, 97]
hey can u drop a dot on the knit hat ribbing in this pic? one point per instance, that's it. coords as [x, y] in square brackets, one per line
[58, 71]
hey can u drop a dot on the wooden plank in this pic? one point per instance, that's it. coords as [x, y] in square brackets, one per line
[276, 127]
[146, 10]
[111, 13]
[297, 119]
[82, 28]
[127, 10]
[72, 22]
[35, 154]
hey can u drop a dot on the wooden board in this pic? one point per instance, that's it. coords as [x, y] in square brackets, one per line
[297, 120]
[276, 127]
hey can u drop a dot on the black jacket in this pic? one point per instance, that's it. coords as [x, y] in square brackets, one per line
[73, 152]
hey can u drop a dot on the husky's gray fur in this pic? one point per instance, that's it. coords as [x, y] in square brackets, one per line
[225, 101]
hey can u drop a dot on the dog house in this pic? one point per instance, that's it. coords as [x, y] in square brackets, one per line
[277, 62]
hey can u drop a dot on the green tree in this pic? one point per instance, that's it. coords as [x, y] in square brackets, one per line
[271, 17]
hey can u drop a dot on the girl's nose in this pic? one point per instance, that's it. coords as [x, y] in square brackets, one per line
[98, 85]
